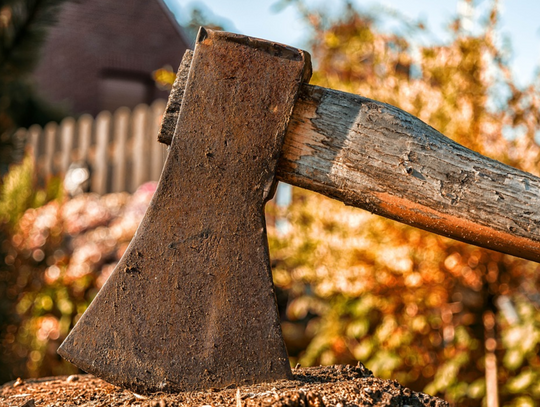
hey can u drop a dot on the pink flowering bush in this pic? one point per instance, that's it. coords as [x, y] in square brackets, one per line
[63, 253]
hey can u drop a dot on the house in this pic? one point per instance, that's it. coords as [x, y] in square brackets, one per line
[101, 54]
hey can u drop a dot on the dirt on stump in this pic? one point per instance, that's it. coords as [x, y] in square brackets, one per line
[339, 386]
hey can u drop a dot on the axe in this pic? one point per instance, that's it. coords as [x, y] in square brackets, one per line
[191, 305]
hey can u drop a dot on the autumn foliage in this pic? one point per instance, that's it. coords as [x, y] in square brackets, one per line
[57, 256]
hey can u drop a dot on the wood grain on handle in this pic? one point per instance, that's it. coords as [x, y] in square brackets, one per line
[379, 158]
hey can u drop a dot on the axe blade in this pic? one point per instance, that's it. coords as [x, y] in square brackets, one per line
[191, 303]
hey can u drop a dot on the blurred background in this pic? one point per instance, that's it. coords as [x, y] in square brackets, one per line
[81, 98]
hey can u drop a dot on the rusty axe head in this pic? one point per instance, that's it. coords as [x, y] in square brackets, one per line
[191, 303]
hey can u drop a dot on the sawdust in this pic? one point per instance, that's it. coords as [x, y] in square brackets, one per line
[339, 386]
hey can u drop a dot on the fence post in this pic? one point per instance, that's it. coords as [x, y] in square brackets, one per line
[34, 133]
[120, 133]
[140, 153]
[50, 144]
[67, 133]
[84, 132]
[99, 181]
[159, 151]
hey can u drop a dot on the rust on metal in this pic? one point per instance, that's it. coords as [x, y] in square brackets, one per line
[170, 117]
[191, 303]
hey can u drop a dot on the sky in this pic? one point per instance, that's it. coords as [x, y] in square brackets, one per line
[520, 22]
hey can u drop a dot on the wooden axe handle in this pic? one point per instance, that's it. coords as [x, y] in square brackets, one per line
[377, 157]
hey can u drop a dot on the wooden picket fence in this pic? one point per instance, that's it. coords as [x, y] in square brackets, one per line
[121, 148]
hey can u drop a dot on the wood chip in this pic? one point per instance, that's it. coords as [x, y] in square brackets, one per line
[324, 386]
